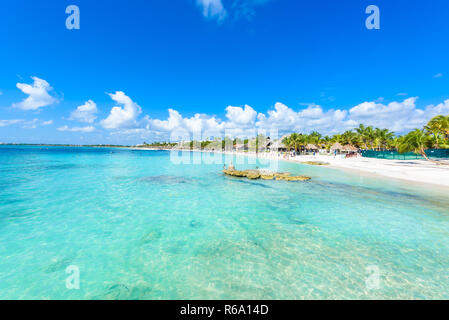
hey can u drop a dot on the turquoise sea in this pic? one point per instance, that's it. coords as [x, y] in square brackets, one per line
[138, 225]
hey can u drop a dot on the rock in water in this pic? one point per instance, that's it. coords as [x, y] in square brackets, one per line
[257, 174]
[316, 163]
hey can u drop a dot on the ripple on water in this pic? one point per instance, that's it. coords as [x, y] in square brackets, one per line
[59, 265]
[165, 179]
[121, 291]
[142, 228]
[152, 236]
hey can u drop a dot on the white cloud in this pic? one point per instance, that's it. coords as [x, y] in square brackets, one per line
[438, 75]
[77, 129]
[33, 124]
[38, 95]
[282, 118]
[396, 116]
[440, 109]
[85, 113]
[245, 8]
[241, 116]
[399, 116]
[124, 116]
[215, 9]
[212, 8]
[286, 120]
[180, 126]
[4, 123]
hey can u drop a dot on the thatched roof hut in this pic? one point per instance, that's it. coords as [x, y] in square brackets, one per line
[336, 147]
[312, 147]
[277, 145]
[349, 148]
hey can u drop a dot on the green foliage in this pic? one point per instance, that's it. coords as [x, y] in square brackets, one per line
[416, 141]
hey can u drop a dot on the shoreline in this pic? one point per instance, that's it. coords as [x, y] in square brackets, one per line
[416, 171]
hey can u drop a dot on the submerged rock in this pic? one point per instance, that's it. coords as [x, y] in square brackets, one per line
[253, 175]
[298, 178]
[282, 175]
[120, 291]
[165, 179]
[152, 236]
[316, 163]
[59, 265]
[116, 292]
[258, 174]
[195, 224]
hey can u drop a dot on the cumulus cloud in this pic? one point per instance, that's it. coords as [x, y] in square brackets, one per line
[38, 95]
[395, 115]
[4, 123]
[85, 113]
[398, 116]
[77, 129]
[123, 116]
[240, 122]
[34, 123]
[177, 125]
[241, 116]
[212, 8]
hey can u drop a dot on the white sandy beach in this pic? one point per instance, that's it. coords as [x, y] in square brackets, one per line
[412, 170]
[419, 171]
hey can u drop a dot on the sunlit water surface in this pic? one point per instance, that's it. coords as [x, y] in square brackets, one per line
[140, 226]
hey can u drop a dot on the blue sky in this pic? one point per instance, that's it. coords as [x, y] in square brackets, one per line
[218, 65]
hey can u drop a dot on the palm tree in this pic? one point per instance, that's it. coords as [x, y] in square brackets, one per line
[298, 140]
[366, 135]
[314, 137]
[382, 137]
[350, 137]
[295, 141]
[288, 142]
[437, 141]
[395, 142]
[327, 142]
[439, 128]
[416, 141]
[439, 124]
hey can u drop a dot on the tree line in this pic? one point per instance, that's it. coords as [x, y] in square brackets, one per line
[434, 135]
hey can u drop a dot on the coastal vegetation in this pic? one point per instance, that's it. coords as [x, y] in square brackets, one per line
[435, 135]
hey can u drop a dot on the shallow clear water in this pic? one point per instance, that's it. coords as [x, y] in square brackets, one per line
[139, 226]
